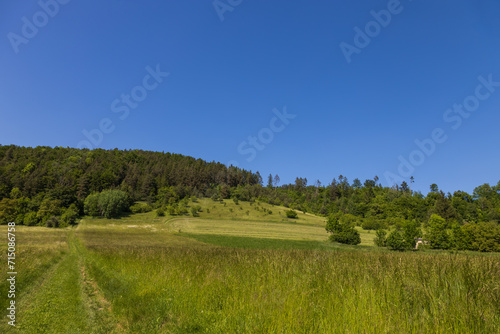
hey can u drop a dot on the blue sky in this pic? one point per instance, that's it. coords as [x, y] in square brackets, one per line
[233, 69]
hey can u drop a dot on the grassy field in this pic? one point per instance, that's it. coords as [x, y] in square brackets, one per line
[232, 272]
[254, 220]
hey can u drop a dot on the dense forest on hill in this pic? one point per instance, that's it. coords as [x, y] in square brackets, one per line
[41, 185]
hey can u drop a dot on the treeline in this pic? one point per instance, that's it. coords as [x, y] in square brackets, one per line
[39, 183]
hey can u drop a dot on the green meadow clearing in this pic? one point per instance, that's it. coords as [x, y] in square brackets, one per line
[240, 268]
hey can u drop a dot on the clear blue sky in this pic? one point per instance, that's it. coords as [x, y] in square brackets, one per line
[227, 76]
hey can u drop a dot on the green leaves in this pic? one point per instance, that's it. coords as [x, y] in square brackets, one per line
[342, 233]
[291, 214]
[396, 241]
[437, 233]
[109, 203]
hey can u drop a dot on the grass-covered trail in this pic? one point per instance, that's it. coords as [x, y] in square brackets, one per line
[63, 299]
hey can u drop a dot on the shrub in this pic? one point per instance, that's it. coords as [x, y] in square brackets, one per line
[49, 208]
[160, 212]
[140, 208]
[52, 222]
[291, 214]
[372, 224]
[171, 210]
[380, 238]
[396, 241]
[437, 233]
[184, 201]
[91, 205]
[342, 233]
[69, 216]
[30, 219]
[194, 212]
[182, 210]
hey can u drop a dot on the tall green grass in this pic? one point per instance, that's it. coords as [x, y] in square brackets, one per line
[222, 290]
[133, 275]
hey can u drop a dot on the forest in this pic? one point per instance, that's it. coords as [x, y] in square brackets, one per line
[52, 187]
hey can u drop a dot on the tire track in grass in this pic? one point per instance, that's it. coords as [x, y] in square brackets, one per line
[57, 305]
[25, 295]
[65, 301]
[97, 306]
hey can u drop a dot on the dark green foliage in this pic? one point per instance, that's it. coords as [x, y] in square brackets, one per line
[160, 212]
[30, 219]
[69, 174]
[380, 238]
[91, 205]
[396, 241]
[437, 233]
[402, 238]
[109, 203]
[8, 210]
[411, 231]
[342, 233]
[166, 195]
[52, 222]
[69, 216]
[291, 214]
[48, 208]
[194, 212]
[484, 237]
[140, 208]
[372, 224]
[171, 210]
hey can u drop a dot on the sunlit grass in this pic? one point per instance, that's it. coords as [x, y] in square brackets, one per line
[226, 290]
[262, 274]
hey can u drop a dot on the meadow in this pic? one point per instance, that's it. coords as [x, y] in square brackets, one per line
[241, 268]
